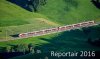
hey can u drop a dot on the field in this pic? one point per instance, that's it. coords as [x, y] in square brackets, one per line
[15, 20]
[70, 11]
[65, 41]
[63, 12]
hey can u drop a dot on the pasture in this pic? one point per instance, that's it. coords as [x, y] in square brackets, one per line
[15, 20]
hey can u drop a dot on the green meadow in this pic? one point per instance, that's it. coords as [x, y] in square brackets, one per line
[15, 20]
[74, 40]
[70, 11]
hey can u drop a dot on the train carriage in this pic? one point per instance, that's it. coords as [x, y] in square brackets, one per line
[57, 29]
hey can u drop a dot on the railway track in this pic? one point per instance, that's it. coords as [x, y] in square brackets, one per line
[54, 30]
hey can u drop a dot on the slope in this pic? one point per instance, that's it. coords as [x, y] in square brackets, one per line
[70, 11]
[14, 20]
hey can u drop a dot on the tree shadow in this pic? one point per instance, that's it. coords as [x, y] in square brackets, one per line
[62, 41]
[15, 36]
[30, 5]
[2, 49]
[21, 3]
[7, 55]
[73, 39]
[0, 30]
[70, 3]
[96, 3]
[95, 42]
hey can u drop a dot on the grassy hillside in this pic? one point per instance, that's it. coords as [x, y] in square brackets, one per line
[14, 20]
[64, 41]
[59, 12]
[11, 14]
[62, 12]
[66, 37]
[70, 11]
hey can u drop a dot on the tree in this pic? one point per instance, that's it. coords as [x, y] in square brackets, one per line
[8, 49]
[12, 50]
[35, 4]
[32, 51]
[30, 5]
[43, 2]
[98, 1]
[22, 48]
[31, 47]
[46, 57]
[86, 31]
[95, 42]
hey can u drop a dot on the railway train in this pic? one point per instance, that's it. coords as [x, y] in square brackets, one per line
[57, 29]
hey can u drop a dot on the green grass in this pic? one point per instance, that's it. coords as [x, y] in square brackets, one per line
[15, 20]
[64, 41]
[13, 15]
[71, 11]
[35, 40]
[60, 12]
[67, 38]
[12, 22]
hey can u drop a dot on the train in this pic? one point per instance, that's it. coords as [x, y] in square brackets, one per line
[57, 29]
